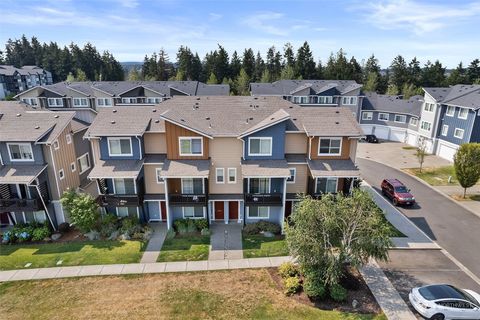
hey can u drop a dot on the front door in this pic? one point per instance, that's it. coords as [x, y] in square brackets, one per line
[163, 210]
[4, 220]
[219, 214]
[233, 210]
[288, 208]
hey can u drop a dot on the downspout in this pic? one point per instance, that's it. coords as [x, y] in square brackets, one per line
[140, 146]
[310, 147]
[283, 203]
[167, 204]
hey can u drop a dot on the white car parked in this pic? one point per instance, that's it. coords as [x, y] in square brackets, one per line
[442, 301]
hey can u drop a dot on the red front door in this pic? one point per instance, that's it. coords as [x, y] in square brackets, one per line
[219, 214]
[163, 210]
[233, 210]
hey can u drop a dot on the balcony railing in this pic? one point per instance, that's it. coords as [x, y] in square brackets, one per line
[183, 198]
[272, 199]
[119, 200]
[20, 205]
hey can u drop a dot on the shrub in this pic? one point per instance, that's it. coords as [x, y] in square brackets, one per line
[191, 226]
[9, 237]
[41, 233]
[292, 285]
[251, 229]
[130, 225]
[170, 234]
[108, 224]
[180, 225]
[82, 209]
[287, 270]
[314, 287]
[23, 232]
[261, 226]
[201, 224]
[338, 293]
[64, 227]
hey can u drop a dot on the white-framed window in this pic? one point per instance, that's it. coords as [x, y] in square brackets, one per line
[260, 146]
[83, 162]
[293, 173]
[124, 186]
[192, 186]
[259, 212]
[458, 133]
[414, 121]
[73, 167]
[190, 146]
[450, 111]
[329, 146]
[444, 130]
[193, 212]
[428, 107]
[20, 151]
[153, 100]
[367, 115]
[68, 137]
[61, 174]
[55, 102]
[127, 211]
[325, 99]
[80, 102]
[400, 118]
[39, 216]
[349, 100]
[119, 146]
[129, 100]
[326, 185]
[462, 113]
[383, 116]
[427, 126]
[232, 175]
[259, 185]
[30, 101]
[104, 102]
[300, 99]
[220, 175]
[158, 174]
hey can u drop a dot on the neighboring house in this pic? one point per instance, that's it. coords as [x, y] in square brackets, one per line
[15, 80]
[226, 159]
[87, 97]
[390, 117]
[329, 93]
[42, 154]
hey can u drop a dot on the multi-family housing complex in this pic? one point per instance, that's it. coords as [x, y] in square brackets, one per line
[14, 80]
[227, 159]
[42, 153]
[86, 97]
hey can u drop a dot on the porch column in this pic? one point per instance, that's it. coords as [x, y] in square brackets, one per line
[284, 197]
[167, 205]
[351, 185]
[45, 206]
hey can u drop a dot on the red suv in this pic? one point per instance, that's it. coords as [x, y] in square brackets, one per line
[397, 191]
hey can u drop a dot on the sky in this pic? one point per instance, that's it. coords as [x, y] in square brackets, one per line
[429, 30]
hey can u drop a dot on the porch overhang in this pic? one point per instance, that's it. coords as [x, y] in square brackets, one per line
[111, 169]
[265, 169]
[333, 168]
[186, 169]
[20, 174]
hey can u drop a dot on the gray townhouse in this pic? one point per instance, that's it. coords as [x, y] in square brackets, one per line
[85, 98]
[15, 80]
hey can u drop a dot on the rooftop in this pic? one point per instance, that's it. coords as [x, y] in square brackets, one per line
[458, 95]
[290, 87]
[390, 103]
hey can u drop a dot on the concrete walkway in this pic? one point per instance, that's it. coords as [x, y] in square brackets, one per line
[225, 241]
[155, 244]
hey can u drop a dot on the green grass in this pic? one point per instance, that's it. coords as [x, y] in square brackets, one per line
[71, 253]
[409, 148]
[255, 246]
[394, 232]
[185, 248]
[435, 176]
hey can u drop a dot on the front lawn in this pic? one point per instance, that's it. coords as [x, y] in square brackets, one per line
[16, 256]
[235, 294]
[185, 248]
[255, 246]
[435, 176]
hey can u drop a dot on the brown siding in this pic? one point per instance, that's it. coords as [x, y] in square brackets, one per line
[341, 182]
[174, 186]
[344, 155]
[155, 143]
[172, 133]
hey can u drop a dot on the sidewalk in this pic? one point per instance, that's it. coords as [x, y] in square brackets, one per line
[155, 243]
[226, 241]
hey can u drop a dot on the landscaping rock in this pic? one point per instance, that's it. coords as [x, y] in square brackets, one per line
[47, 239]
[268, 234]
[355, 303]
[114, 235]
[92, 235]
[4, 241]
[124, 236]
[56, 236]
[205, 232]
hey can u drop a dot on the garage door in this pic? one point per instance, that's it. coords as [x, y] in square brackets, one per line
[446, 152]
[397, 136]
[381, 132]
[367, 129]
[412, 139]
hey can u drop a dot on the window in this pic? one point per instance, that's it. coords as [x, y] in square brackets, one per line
[55, 102]
[383, 116]
[193, 212]
[119, 146]
[259, 185]
[192, 185]
[427, 126]
[444, 130]
[20, 152]
[458, 133]
[56, 145]
[39, 216]
[329, 146]
[154, 100]
[232, 175]
[349, 100]
[413, 121]
[30, 101]
[325, 99]
[104, 102]
[462, 113]
[73, 167]
[61, 174]
[258, 212]
[68, 137]
[160, 179]
[220, 175]
[326, 185]
[400, 118]
[129, 100]
[80, 102]
[367, 115]
[293, 172]
[428, 107]
[124, 186]
[84, 163]
[260, 146]
[127, 211]
[191, 146]
[450, 111]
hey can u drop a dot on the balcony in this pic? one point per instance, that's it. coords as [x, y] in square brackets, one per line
[119, 200]
[264, 199]
[187, 199]
[20, 205]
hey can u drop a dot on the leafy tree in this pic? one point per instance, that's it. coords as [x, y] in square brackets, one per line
[371, 84]
[82, 209]
[288, 73]
[467, 165]
[266, 76]
[242, 83]
[421, 153]
[212, 79]
[409, 90]
[328, 234]
[81, 76]
[133, 75]
[392, 90]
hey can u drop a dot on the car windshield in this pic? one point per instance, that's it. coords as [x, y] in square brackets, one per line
[445, 292]
[401, 189]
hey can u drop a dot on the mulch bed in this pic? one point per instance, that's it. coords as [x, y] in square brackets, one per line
[357, 290]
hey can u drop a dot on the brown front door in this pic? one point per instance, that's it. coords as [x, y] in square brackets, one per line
[163, 210]
[288, 208]
[233, 210]
[219, 215]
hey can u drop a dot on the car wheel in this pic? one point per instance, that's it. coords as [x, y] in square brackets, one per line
[437, 316]
[395, 202]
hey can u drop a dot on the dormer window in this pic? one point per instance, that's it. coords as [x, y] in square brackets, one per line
[55, 102]
[153, 100]
[260, 146]
[104, 102]
[119, 147]
[191, 146]
[80, 102]
[20, 151]
[349, 100]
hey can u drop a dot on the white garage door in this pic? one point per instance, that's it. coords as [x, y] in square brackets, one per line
[397, 136]
[446, 152]
[367, 129]
[412, 139]
[381, 132]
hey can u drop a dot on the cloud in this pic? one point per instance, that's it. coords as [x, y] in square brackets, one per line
[214, 16]
[266, 22]
[418, 17]
[129, 3]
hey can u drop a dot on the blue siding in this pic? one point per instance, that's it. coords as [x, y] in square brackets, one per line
[276, 185]
[177, 212]
[275, 216]
[391, 121]
[135, 150]
[277, 133]
[476, 129]
[455, 122]
[37, 154]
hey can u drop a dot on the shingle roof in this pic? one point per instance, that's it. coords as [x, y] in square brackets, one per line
[276, 117]
[116, 169]
[20, 174]
[288, 87]
[333, 168]
[186, 168]
[265, 168]
[383, 102]
[10, 70]
[459, 95]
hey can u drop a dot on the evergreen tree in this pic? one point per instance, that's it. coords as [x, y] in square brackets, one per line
[221, 63]
[414, 72]
[288, 55]
[371, 66]
[398, 72]
[288, 73]
[235, 65]
[259, 67]
[163, 66]
[392, 90]
[473, 71]
[266, 76]
[274, 64]
[242, 83]
[249, 63]
[305, 65]
[433, 75]
[458, 76]
[355, 71]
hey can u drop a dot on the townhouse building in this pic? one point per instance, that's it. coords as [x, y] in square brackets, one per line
[85, 98]
[42, 154]
[14, 80]
[226, 159]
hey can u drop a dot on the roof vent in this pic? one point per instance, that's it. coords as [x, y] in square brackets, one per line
[256, 98]
[207, 118]
[337, 111]
[294, 119]
[251, 118]
[37, 127]
[336, 122]
[18, 114]
[114, 110]
[112, 122]
[195, 107]
[183, 120]
[157, 121]
[56, 116]
[272, 118]
[210, 125]
[246, 121]
[154, 110]
[291, 107]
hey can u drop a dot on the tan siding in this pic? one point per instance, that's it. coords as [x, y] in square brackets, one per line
[344, 155]
[155, 143]
[353, 149]
[296, 143]
[31, 94]
[151, 185]
[172, 133]
[95, 143]
[301, 179]
[225, 153]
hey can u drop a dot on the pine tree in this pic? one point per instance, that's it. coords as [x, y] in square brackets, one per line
[398, 72]
[288, 55]
[392, 90]
[305, 65]
[235, 65]
[266, 76]
[433, 75]
[221, 67]
[242, 83]
[458, 76]
[248, 63]
[288, 73]
[414, 72]
[355, 70]
[259, 67]
[473, 71]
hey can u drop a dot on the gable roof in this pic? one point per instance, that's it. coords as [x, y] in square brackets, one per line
[274, 118]
[289, 87]
[459, 95]
[389, 103]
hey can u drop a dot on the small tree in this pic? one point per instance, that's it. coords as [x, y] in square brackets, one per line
[421, 153]
[82, 209]
[467, 165]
